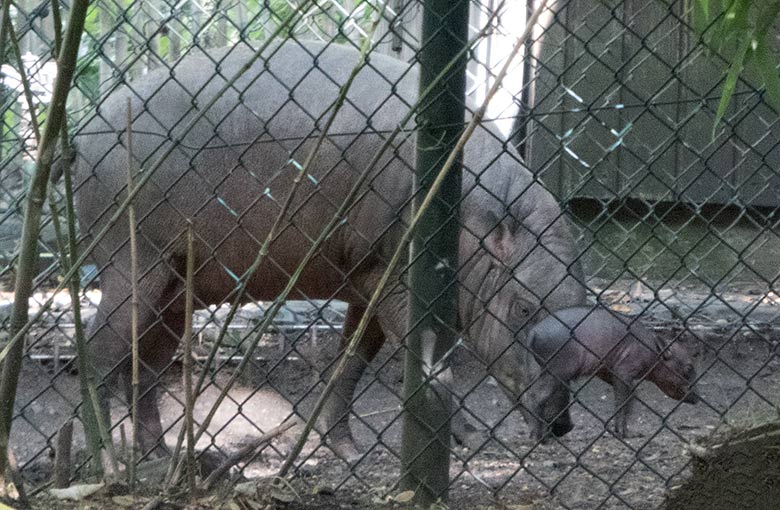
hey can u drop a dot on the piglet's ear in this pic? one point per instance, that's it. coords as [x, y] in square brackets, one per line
[660, 346]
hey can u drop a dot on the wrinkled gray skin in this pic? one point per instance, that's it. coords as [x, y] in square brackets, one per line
[230, 175]
[584, 341]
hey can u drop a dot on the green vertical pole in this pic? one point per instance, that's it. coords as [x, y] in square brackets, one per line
[434, 253]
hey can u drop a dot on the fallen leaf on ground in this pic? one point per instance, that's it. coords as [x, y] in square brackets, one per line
[404, 497]
[77, 492]
[283, 494]
[246, 489]
[124, 501]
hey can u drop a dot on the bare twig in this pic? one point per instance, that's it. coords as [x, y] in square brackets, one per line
[26, 89]
[243, 453]
[133, 303]
[153, 504]
[396, 409]
[62, 459]
[189, 400]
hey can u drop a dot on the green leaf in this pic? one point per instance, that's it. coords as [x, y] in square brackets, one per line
[701, 16]
[704, 5]
[731, 26]
[731, 79]
[768, 70]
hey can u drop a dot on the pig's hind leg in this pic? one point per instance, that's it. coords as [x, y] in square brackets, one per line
[334, 421]
[545, 407]
[624, 401]
[160, 325]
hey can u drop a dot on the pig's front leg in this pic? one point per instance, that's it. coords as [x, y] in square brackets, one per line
[624, 400]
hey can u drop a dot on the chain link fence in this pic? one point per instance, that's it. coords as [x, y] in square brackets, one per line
[674, 228]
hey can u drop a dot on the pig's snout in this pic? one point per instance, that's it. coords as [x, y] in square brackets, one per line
[558, 428]
[562, 427]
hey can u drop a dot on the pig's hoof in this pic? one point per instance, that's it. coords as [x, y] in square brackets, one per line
[561, 429]
[621, 433]
[468, 436]
[345, 449]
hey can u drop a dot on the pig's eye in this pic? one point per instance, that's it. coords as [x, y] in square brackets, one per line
[520, 309]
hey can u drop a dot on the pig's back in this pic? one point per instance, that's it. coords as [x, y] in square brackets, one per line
[583, 333]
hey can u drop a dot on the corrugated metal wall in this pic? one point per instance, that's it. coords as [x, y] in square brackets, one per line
[625, 101]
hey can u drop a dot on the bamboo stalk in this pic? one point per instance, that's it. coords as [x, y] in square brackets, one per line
[28, 254]
[189, 400]
[94, 429]
[4, 24]
[4, 14]
[57, 22]
[402, 246]
[28, 96]
[91, 424]
[133, 303]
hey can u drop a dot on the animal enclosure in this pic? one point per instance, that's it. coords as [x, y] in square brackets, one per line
[593, 178]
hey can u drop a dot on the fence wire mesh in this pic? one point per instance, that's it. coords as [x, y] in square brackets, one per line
[674, 229]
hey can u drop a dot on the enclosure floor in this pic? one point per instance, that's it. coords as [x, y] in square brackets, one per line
[587, 469]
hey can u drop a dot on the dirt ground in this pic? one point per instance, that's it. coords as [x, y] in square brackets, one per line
[587, 469]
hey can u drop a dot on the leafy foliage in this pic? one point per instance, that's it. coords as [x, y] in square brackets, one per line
[742, 31]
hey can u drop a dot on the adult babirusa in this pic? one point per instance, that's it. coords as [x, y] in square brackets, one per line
[229, 175]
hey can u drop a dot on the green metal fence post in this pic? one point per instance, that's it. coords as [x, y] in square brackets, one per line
[434, 255]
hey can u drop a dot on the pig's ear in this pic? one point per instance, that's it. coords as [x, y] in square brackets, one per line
[498, 239]
[661, 346]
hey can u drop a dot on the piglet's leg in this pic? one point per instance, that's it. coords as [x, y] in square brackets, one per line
[624, 400]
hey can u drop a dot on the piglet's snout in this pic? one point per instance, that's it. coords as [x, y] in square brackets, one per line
[692, 398]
